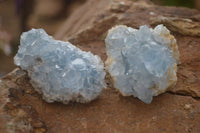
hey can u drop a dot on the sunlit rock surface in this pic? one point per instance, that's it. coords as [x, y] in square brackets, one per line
[59, 70]
[143, 62]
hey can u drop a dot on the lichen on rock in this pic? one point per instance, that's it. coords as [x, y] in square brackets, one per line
[143, 62]
[59, 70]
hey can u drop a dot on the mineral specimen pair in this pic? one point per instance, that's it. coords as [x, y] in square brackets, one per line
[142, 63]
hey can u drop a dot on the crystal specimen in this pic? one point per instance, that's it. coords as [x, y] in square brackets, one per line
[59, 70]
[143, 62]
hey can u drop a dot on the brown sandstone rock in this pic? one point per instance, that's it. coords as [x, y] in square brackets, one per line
[23, 110]
[50, 14]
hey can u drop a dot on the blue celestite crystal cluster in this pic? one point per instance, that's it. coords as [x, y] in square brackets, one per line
[143, 62]
[59, 70]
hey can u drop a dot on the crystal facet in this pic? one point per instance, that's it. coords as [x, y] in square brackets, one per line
[143, 62]
[59, 70]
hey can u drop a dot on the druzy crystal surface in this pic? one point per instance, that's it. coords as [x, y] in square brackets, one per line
[143, 62]
[59, 70]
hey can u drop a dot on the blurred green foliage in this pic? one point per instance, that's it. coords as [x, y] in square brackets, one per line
[185, 3]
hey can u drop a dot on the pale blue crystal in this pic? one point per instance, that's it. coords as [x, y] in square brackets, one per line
[59, 70]
[142, 62]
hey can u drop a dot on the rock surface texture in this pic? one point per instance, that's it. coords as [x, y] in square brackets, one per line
[59, 70]
[23, 110]
[143, 62]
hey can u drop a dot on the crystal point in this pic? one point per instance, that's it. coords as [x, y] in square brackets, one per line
[59, 70]
[142, 63]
